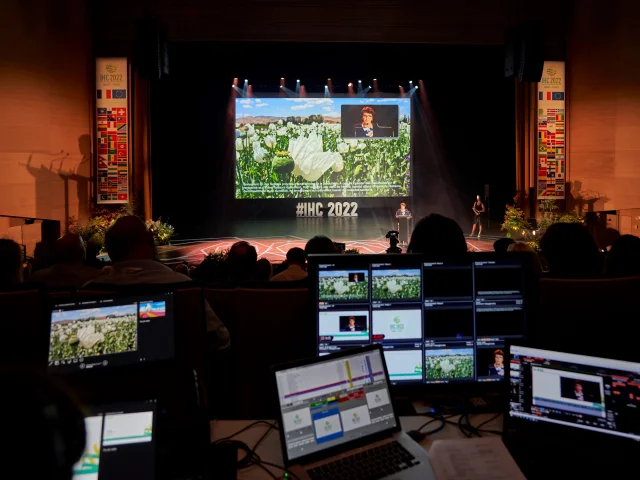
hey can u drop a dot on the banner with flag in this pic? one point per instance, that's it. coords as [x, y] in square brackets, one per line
[112, 118]
[551, 144]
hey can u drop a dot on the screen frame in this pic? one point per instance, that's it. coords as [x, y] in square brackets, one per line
[349, 445]
[107, 371]
[361, 199]
[521, 427]
[451, 389]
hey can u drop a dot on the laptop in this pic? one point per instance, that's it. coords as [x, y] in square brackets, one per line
[568, 408]
[337, 420]
[120, 443]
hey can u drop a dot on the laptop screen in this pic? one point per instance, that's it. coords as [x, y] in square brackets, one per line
[110, 331]
[120, 443]
[333, 401]
[575, 391]
[437, 321]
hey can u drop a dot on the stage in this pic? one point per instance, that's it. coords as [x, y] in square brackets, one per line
[275, 248]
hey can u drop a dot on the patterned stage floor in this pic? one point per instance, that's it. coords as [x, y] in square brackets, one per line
[275, 248]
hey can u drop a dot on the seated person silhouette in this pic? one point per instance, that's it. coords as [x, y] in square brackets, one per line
[367, 128]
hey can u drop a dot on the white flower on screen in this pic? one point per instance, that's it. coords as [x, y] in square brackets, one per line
[282, 131]
[393, 286]
[290, 125]
[342, 148]
[272, 126]
[259, 153]
[237, 156]
[280, 122]
[270, 141]
[237, 125]
[446, 365]
[310, 161]
[361, 146]
[254, 139]
[353, 144]
[340, 287]
[251, 130]
[239, 144]
[401, 117]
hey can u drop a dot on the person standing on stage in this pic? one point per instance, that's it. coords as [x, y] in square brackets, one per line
[404, 228]
[478, 212]
[402, 211]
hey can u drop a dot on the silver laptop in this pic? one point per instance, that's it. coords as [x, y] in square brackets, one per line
[337, 420]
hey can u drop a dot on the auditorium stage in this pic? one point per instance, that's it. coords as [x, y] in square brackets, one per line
[275, 248]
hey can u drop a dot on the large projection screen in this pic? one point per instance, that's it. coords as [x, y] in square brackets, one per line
[322, 147]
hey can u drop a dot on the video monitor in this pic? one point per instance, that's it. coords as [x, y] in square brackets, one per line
[574, 392]
[120, 443]
[110, 331]
[438, 321]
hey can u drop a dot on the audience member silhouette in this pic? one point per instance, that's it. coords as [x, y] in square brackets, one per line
[131, 247]
[264, 270]
[502, 244]
[318, 245]
[438, 236]
[295, 266]
[570, 251]
[69, 269]
[530, 253]
[241, 262]
[10, 264]
[624, 258]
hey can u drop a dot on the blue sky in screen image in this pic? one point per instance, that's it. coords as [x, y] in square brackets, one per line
[303, 107]
[94, 312]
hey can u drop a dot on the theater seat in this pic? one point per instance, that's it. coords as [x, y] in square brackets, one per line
[599, 317]
[271, 327]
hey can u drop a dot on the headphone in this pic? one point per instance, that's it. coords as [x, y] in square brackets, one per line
[44, 426]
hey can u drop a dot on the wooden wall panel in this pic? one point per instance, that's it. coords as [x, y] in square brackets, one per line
[603, 77]
[45, 93]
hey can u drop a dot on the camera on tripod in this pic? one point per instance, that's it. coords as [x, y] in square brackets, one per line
[392, 235]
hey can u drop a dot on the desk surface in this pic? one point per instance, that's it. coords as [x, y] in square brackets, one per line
[270, 450]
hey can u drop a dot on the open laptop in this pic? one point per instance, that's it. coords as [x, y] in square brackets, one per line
[120, 443]
[337, 420]
[568, 407]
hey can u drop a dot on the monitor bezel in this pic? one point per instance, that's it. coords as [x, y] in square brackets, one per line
[420, 389]
[312, 457]
[543, 429]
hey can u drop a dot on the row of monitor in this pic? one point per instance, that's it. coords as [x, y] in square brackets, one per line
[438, 321]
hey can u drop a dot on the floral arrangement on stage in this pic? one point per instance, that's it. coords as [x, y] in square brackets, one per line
[306, 157]
[101, 219]
[515, 223]
[162, 232]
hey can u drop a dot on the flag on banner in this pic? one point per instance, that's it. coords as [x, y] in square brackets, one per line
[119, 94]
[99, 94]
[108, 93]
[122, 196]
[102, 111]
[121, 111]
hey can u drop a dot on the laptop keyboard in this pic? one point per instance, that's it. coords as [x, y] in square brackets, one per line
[378, 462]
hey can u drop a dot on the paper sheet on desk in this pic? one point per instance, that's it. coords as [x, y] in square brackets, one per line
[474, 458]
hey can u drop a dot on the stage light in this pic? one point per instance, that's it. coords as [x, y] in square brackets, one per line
[350, 84]
[410, 81]
[326, 86]
[298, 81]
[359, 81]
[246, 81]
[281, 78]
[416, 88]
[281, 86]
[375, 79]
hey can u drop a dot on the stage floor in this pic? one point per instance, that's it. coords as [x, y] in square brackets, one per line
[275, 248]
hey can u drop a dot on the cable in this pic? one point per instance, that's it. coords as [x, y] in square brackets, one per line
[266, 470]
[257, 422]
[255, 447]
[462, 426]
[479, 427]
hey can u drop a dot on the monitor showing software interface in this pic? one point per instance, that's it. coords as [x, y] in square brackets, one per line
[437, 322]
[333, 402]
[111, 331]
[577, 391]
[120, 443]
